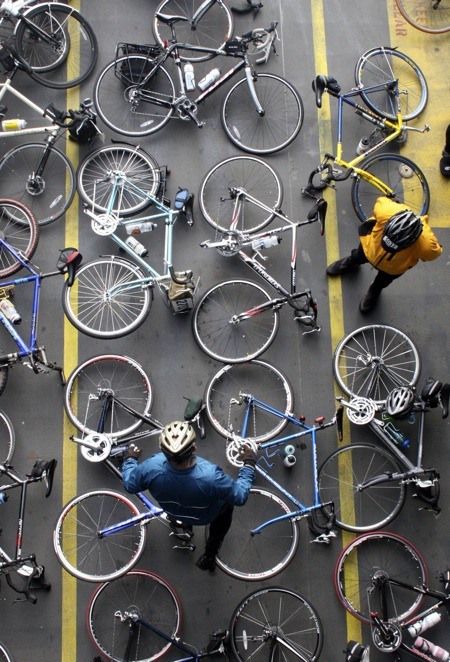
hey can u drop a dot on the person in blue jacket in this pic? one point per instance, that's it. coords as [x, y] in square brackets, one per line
[189, 488]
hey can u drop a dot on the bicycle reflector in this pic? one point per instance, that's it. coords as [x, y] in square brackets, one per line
[68, 262]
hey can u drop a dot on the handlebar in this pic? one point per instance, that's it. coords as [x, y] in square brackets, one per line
[180, 279]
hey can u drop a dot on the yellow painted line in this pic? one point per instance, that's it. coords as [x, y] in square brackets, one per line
[332, 248]
[429, 53]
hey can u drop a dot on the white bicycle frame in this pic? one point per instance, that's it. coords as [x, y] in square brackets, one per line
[50, 128]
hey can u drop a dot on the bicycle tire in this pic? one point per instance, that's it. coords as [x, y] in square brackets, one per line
[3, 376]
[5, 655]
[234, 342]
[258, 557]
[383, 349]
[405, 179]
[211, 31]
[86, 387]
[345, 470]
[119, 106]
[7, 434]
[73, 61]
[96, 183]
[272, 614]
[276, 128]
[140, 592]
[90, 308]
[48, 196]
[426, 15]
[19, 229]
[256, 177]
[380, 65]
[82, 552]
[261, 380]
[374, 552]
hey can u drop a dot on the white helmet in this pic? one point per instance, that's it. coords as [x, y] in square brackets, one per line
[177, 440]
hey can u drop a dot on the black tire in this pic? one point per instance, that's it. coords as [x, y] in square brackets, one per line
[5, 655]
[256, 177]
[268, 133]
[144, 594]
[426, 15]
[274, 614]
[259, 379]
[234, 342]
[3, 376]
[7, 435]
[210, 31]
[93, 380]
[375, 552]
[92, 311]
[76, 54]
[115, 89]
[345, 470]
[382, 65]
[19, 229]
[95, 179]
[47, 196]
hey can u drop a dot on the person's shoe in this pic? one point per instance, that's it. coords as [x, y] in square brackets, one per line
[368, 302]
[444, 164]
[205, 562]
[341, 266]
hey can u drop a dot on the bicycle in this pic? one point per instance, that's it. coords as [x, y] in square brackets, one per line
[236, 320]
[369, 363]
[40, 175]
[54, 39]
[135, 95]
[382, 76]
[382, 580]
[112, 295]
[269, 622]
[431, 16]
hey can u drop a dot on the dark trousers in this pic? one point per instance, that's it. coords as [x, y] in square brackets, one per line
[218, 530]
[382, 279]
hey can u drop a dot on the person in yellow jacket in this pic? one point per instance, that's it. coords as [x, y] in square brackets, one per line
[393, 241]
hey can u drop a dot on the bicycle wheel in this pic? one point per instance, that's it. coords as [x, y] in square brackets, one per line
[432, 16]
[85, 554]
[209, 29]
[48, 195]
[219, 334]
[256, 177]
[107, 299]
[141, 177]
[58, 44]
[19, 229]
[5, 655]
[369, 554]
[271, 131]
[372, 360]
[264, 382]
[125, 106]
[256, 557]
[7, 435]
[140, 593]
[276, 623]
[405, 179]
[340, 477]
[90, 384]
[3, 377]
[384, 65]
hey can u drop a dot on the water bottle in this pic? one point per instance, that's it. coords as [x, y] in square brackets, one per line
[428, 647]
[289, 450]
[136, 247]
[9, 311]
[140, 226]
[13, 125]
[189, 78]
[209, 79]
[424, 624]
[3, 497]
[396, 436]
[265, 242]
[364, 145]
[289, 461]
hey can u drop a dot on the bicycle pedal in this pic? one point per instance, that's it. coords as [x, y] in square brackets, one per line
[324, 538]
[185, 545]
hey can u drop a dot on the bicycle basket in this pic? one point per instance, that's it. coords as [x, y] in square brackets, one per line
[6, 58]
[133, 71]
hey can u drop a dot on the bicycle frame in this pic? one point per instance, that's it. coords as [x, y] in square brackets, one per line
[7, 87]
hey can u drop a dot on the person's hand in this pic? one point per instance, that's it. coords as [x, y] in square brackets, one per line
[248, 455]
[133, 451]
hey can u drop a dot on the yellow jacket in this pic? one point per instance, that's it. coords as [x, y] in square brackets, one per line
[426, 247]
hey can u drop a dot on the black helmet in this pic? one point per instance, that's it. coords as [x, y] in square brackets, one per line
[400, 402]
[177, 440]
[401, 231]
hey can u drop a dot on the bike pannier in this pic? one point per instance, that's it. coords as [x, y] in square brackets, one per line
[133, 71]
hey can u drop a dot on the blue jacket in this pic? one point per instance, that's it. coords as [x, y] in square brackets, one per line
[195, 495]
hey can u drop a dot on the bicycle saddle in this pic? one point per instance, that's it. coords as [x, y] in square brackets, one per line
[435, 392]
[170, 20]
[322, 83]
[42, 467]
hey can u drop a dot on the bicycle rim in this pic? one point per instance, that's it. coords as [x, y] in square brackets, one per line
[361, 510]
[143, 594]
[19, 229]
[5, 655]
[256, 557]
[222, 338]
[426, 15]
[371, 553]
[92, 381]
[96, 179]
[273, 615]
[264, 382]
[256, 177]
[369, 362]
[7, 435]
[78, 546]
